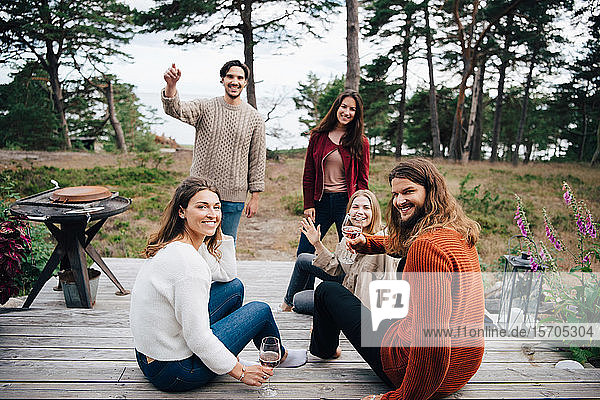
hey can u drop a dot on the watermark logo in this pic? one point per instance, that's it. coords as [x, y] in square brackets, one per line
[452, 309]
[389, 299]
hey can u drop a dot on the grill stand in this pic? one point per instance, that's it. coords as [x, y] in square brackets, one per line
[73, 241]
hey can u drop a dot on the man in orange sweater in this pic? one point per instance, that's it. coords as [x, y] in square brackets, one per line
[428, 228]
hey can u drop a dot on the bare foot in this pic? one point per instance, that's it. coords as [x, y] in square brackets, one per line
[285, 307]
[283, 357]
[338, 352]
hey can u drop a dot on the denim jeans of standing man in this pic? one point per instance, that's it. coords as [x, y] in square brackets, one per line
[235, 325]
[331, 209]
[231, 212]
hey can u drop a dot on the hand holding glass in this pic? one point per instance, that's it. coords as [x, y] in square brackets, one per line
[269, 356]
[351, 232]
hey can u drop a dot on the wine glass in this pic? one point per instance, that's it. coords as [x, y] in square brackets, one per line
[269, 356]
[351, 232]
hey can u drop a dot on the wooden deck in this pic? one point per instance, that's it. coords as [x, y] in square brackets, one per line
[50, 351]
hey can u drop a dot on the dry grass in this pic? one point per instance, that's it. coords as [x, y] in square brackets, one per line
[273, 233]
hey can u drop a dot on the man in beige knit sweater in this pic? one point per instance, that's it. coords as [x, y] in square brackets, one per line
[229, 149]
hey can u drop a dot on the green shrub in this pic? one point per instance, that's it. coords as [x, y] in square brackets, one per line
[154, 158]
[293, 203]
[35, 180]
[33, 256]
[489, 210]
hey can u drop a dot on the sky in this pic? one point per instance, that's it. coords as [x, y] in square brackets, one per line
[277, 73]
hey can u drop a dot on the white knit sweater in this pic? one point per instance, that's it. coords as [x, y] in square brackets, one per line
[169, 315]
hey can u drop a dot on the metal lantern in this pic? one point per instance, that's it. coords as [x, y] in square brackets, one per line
[521, 289]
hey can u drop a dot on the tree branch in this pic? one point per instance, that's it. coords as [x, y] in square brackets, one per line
[461, 28]
[286, 15]
[508, 10]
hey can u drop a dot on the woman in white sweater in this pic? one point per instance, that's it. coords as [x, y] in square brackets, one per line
[186, 316]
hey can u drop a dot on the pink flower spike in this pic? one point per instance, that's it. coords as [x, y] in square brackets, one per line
[586, 259]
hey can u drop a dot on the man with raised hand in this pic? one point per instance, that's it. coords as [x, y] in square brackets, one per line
[229, 149]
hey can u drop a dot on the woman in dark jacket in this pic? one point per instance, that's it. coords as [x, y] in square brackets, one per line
[336, 165]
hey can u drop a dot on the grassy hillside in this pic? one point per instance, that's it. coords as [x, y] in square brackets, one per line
[485, 190]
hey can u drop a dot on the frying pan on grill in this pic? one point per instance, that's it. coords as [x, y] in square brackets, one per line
[80, 194]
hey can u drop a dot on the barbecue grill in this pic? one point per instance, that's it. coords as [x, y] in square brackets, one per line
[68, 222]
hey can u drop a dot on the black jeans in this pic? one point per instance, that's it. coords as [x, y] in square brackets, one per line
[329, 210]
[337, 309]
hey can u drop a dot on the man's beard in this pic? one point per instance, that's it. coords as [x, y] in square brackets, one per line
[407, 227]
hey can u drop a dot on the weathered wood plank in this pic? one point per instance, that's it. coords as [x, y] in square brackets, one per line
[123, 371]
[231, 390]
[50, 351]
[295, 338]
[121, 354]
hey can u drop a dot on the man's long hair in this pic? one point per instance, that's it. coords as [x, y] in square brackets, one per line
[352, 140]
[440, 209]
[172, 226]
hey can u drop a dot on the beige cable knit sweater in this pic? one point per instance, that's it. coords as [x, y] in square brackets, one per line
[229, 149]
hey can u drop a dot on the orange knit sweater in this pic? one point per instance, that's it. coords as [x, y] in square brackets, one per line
[447, 293]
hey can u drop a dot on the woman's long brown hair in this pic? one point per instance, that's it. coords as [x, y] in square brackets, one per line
[355, 130]
[172, 227]
[440, 208]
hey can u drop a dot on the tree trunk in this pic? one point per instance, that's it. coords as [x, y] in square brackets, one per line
[477, 137]
[507, 152]
[435, 127]
[522, 121]
[50, 64]
[455, 148]
[475, 93]
[528, 151]
[596, 155]
[352, 57]
[112, 115]
[57, 99]
[402, 105]
[373, 147]
[500, 96]
[469, 55]
[247, 33]
[584, 133]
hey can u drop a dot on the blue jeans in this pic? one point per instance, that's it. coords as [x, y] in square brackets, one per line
[303, 279]
[329, 210]
[233, 324]
[231, 211]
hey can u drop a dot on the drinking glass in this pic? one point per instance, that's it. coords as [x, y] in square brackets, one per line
[351, 232]
[269, 356]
